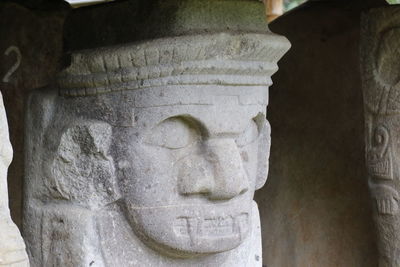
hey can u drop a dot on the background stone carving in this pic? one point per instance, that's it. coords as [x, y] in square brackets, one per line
[380, 60]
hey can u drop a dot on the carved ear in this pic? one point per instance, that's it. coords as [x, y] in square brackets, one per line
[82, 170]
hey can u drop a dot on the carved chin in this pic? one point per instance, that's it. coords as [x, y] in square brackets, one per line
[190, 231]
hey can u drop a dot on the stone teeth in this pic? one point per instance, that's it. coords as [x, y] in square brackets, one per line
[197, 229]
[193, 230]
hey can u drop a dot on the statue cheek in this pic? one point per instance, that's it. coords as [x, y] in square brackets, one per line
[146, 177]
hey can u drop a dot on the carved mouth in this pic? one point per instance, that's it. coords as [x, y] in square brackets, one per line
[199, 229]
[191, 230]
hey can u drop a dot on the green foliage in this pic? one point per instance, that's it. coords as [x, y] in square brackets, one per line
[392, 2]
[289, 4]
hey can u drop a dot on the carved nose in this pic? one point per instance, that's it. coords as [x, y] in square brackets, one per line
[230, 178]
[218, 173]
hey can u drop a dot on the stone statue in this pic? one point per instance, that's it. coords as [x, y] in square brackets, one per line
[381, 76]
[12, 247]
[150, 152]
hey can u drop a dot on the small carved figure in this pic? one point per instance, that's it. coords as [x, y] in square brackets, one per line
[12, 247]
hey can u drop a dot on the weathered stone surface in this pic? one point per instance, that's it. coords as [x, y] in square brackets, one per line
[137, 20]
[30, 55]
[12, 247]
[380, 59]
[315, 208]
[149, 153]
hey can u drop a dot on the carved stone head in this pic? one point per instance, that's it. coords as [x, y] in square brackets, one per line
[173, 131]
[168, 133]
[185, 132]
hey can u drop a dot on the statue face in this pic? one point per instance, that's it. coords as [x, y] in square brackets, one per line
[184, 162]
[188, 171]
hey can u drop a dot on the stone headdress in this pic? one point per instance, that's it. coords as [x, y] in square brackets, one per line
[185, 42]
[226, 59]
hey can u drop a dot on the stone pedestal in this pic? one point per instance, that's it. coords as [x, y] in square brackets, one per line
[380, 59]
[12, 247]
[148, 153]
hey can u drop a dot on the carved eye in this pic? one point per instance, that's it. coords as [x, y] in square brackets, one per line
[249, 135]
[173, 133]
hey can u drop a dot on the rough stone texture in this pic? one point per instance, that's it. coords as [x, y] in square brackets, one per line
[30, 55]
[149, 153]
[380, 59]
[12, 247]
[149, 19]
[315, 208]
